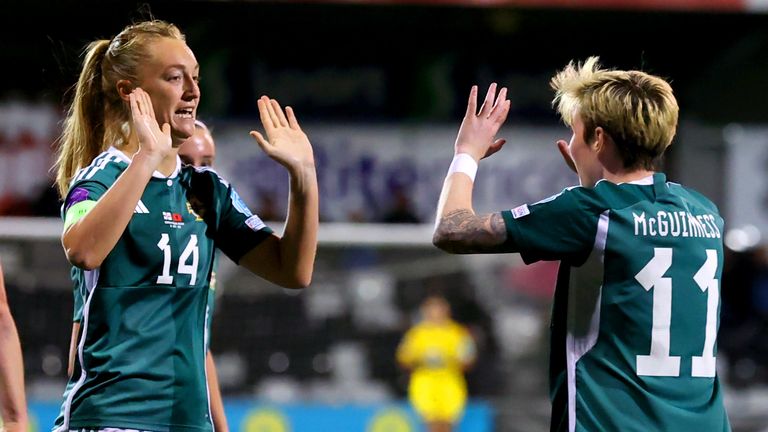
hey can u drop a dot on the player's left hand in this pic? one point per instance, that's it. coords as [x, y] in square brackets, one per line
[562, 145]
[286, 143]
[477, 134]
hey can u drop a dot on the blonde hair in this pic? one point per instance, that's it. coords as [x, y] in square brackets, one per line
[98, 115]
[637, 110]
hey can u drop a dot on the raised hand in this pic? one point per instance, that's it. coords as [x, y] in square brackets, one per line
[562, 145]
[153, 141]
[286, 143]
[477, 134]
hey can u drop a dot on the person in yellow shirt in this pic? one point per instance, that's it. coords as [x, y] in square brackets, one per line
[437, 351]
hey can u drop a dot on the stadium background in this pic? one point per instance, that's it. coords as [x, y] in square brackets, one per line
[380, 88]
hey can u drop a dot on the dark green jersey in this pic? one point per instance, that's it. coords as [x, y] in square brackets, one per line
[80, 293]
[140, 361]
[636, 311]
[213, 284]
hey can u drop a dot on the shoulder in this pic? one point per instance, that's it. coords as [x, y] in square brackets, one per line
[105, 168]
[459, 328]
[191, 174]
[574, 198]
[693, 196]
[416, 330]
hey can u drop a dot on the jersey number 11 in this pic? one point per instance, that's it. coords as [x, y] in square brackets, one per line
[659, 362]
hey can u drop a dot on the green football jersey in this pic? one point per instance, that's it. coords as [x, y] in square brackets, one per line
[144, 312]
[80, 292]
[636, 309]
[80, 287]
[213, 284]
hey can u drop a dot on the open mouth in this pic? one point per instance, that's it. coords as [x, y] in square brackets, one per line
[184, 113]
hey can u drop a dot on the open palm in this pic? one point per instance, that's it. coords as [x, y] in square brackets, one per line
[286, 143]
[477, 134]
[152, 139]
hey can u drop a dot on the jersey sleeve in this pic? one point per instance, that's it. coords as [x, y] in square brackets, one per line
[238, 230]
[78, 198]
[562, 227]
[89, 185]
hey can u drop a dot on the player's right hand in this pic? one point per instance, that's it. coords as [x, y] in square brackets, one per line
[477, 134]
[154, 142]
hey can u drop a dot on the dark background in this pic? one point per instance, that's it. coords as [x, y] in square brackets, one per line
[385, 62]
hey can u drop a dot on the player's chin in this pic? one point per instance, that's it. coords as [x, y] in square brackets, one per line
[182, 128]
[186, 121]
[178, 137]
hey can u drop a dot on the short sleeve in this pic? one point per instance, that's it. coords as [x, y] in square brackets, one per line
[239, 230]
[562, 227]
[83, 191]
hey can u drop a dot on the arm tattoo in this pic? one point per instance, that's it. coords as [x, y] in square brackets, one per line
[462, 231]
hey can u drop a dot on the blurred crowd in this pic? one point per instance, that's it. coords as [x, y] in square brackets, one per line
[28, 132]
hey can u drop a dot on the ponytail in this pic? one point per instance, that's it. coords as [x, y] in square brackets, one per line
[83, 136]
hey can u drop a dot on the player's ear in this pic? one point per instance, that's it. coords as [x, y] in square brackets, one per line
[601, 139]
[124, 89]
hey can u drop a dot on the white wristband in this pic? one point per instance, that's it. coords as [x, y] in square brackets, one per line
[463, 163]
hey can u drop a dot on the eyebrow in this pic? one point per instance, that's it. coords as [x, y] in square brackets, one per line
[181, 66]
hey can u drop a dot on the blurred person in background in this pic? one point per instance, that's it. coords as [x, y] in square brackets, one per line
[437, 351]
[199, 150]
[141, 230]
[13, 405]
[636, 308]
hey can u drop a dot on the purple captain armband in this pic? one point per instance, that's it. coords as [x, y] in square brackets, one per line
[77, 195]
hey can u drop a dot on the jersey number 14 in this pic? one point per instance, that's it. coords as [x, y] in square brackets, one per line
[659, 362]
[190, 251]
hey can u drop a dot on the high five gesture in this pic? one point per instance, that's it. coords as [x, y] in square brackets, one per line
[477, 134]
[286, 143]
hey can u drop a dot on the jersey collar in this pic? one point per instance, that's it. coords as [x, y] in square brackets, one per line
[157, 174]
[647, 181]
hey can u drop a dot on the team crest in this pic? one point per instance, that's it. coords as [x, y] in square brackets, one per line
[192, 212]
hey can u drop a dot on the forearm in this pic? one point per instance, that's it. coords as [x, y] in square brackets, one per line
[458, 229]
[88, 241]
[298, 244]
[455, 195]
[217, 404]
[454, 212]
[12, 400]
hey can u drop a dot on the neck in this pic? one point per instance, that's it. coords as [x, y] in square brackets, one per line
[626, 176]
